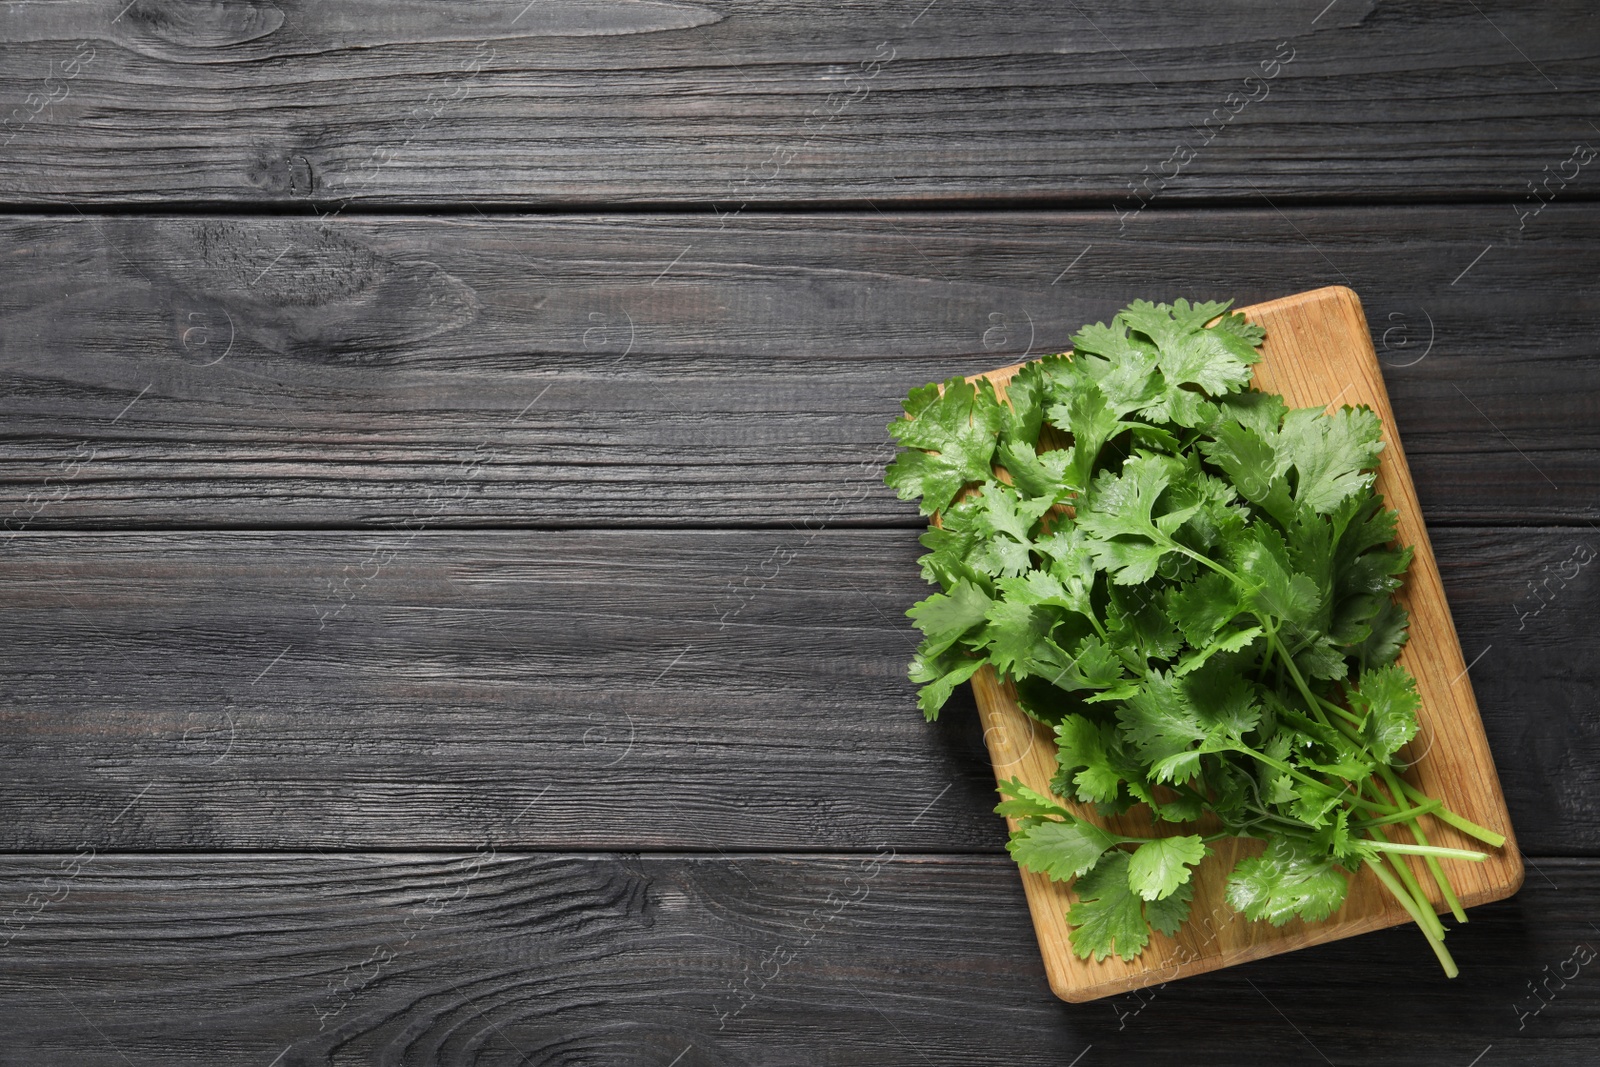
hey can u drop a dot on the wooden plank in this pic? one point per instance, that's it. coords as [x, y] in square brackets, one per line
[1318, 352]
[593, 689]
[899, 960]
[562, 372]
[603, 101]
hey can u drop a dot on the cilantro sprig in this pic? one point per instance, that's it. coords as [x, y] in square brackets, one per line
[1193, 585]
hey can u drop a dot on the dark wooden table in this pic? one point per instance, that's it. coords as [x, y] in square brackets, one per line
[452, 614]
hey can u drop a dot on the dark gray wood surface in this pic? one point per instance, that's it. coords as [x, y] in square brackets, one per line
[494, 957]
[449, 610]
[735, 101]
[204, 371]
[603, 689]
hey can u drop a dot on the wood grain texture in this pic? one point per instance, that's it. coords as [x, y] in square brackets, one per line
[596, 101]
[577, 371]
[589, 689]
[1317, 352]
[497, 958]
[412, 686]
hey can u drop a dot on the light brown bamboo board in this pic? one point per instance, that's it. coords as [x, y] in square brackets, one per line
[1317, 352]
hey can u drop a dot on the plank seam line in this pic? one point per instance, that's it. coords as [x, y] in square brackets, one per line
[1086, 204]
[997, 854]
[1529, 522]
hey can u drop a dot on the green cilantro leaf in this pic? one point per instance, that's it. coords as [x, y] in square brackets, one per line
[1024, 803]
[1046, 475]
[1109, 915]
[1004, 512]
[1158, 718]
[1162, 864]
[1017, 640]
[945, 617]
[1251, 461]
[1083, 751]
[1388, 635]
[1387, 700]
[950, 434]
[1060, 850]
[940, 675]
[1333, 455]
[1093, 423]
[1231, 641]
[1262, 559]
[1200, 608]
[1286, 880]
[1027, 393]
[1170, 912]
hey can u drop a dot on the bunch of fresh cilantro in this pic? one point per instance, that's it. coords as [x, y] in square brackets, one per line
[1193, 585]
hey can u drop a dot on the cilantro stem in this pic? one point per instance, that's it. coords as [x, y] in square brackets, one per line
[1298, 828]
[1466, 826]
[1098, 629]
[1201, 557]
[1385, 845]
[1425, 803]
[1323, 787]
[1399, 786]
[1440, 878]
[1355, 720]
[1380, 841]
[1405, 815]
[1410, 905]
[1432, 862]
[1294, 673]
[1319, 729]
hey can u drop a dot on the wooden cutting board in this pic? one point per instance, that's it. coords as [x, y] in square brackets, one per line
[1317, 352]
